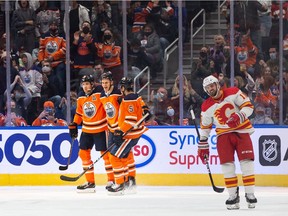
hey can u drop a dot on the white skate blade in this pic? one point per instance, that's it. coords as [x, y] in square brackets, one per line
[130, 190]
[251, 205]
[233, 206]
[88, 190]
[118, 193]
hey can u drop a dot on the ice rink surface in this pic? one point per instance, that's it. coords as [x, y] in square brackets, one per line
[149, 201]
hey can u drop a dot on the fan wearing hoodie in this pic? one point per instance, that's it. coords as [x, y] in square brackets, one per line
[32, 79]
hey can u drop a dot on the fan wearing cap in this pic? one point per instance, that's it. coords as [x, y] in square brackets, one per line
[91, 114]
[228, 110]
[47, 117]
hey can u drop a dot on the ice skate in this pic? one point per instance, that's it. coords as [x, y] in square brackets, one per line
[130, 186]
[233, 202]
[87, 187]
[116, 189]
[109, 185]
[251, 200]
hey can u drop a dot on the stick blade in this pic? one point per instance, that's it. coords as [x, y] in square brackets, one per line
[218, 190]
[63, 167]
[67, 178]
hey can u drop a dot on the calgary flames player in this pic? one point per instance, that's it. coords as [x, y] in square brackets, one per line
[228, 110]
[121, 155]
[91, 114]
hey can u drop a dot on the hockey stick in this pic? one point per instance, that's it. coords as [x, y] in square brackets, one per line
[216, 189]
[72, 179]
[69, 157]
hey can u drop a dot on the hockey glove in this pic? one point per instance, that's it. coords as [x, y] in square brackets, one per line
[145, 111]
[235, 120]
[203, 150]
[118, 137]
[73, 130]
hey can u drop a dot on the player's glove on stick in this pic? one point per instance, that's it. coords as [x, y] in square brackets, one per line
[73, 130]
[235, 120]
[118, 137]
[145, 111]
[203, 150]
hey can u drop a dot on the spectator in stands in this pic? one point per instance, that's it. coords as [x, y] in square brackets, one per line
[190, 97]
[77, 15]
[21, 95]
[110, 55]
[101, 10]
[61, 109]
[201, 68]
[51, 83]
[265, 18]
[151, 44]
[139, 16]
[52, 48]
[47, 118]
[265, 97]
[161, 103]
[82, 50]
[23, 25]
[273, 61]
[33, 81]
[16, 120]
[247, 86]
[44, 16]
[260, 116]
[3, 79]
[246, 19]
[216, 54]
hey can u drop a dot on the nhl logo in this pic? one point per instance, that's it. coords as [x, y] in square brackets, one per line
[269, 151]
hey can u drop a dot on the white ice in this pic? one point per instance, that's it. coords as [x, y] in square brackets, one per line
[149, 201]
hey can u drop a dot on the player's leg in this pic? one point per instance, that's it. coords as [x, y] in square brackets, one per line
[246, 157]
[225, 148]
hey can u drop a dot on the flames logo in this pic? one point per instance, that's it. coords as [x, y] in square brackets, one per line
[89, 109]
[223, 113]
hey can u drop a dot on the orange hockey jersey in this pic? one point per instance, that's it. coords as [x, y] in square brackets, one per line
[111, 106]
[109, 54]
[54, 47]
[90, 112]
[130, 112]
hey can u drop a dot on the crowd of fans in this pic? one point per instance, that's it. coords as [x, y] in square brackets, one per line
[38, 56]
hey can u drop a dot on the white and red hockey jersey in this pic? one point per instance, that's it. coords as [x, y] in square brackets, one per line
[218, 111]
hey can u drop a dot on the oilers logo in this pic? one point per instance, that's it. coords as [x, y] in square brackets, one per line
[89, 109]
[51, 47]
[242, 56]
[110, 110]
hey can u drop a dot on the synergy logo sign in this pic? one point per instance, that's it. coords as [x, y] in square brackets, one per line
[144, 151]
[269, 150]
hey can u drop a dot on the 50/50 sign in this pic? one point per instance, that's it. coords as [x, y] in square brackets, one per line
[36, 152]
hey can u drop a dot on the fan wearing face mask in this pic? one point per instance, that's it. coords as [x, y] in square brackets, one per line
[110, 55]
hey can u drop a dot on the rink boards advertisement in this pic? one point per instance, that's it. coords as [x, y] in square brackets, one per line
[161, 151]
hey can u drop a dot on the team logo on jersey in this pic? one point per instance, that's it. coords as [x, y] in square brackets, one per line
[51, 47]
[269, 150]
[27, 78]
[242, 56]
[223, 113]
[110, 110]
[131, 108]
[89, 109]
[107, 54]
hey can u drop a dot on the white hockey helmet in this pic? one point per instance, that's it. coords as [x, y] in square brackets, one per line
[209, 80]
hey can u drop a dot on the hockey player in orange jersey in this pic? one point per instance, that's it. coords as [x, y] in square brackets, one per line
[91, 114]
[122, 159]
[110, 98]
[228, 110]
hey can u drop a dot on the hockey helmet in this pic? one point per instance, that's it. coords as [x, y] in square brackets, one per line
[126, 82]
[107, 75]
[209, 80]
[87, 78]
